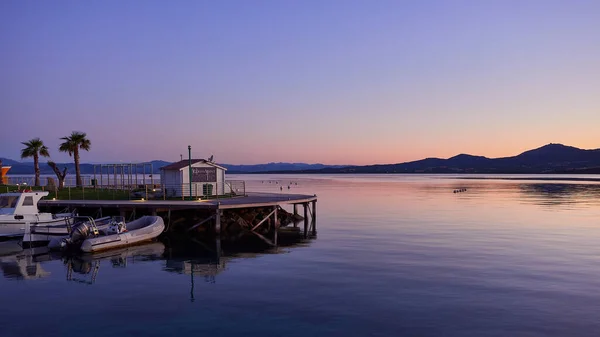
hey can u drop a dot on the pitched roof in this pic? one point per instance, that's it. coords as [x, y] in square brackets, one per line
[185, 163]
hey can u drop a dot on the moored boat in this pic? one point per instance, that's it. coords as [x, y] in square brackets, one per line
[89, 238]
[42, 234]
[19, 210]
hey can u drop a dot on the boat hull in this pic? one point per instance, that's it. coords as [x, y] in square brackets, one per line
[143, 229]
[16, 229]
[42, 234]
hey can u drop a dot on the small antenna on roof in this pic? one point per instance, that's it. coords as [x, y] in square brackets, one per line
[181, 157]
[210, 159]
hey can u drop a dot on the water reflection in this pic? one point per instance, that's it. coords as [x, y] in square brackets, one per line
[187, 257]
[537, 192]
[19, 264]
[560, 193]
[84, 268]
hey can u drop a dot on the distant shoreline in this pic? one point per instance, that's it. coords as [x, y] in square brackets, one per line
[532, 178]
[427, 173]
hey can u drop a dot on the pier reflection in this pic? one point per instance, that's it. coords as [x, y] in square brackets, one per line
[193, 258]
[205, 260]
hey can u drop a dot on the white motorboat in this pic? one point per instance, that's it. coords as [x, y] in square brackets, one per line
[19, 210]
[89, 238]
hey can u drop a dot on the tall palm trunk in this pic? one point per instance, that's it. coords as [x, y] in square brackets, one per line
[77, 171]
[36, 165]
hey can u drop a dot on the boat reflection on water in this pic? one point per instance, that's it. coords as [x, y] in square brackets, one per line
[86, 266]
[22, 264]
[189, 257]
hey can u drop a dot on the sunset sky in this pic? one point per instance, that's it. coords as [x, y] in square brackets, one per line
[334, 82]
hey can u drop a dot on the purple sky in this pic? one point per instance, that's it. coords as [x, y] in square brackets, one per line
[346, 82]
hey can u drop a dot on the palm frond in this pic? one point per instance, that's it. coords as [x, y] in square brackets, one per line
[77, 139]
[44, 151]
[33, 147]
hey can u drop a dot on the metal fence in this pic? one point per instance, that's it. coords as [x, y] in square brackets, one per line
[198, 191]
[104, 180]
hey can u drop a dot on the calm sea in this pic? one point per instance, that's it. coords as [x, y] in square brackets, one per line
[395, 255]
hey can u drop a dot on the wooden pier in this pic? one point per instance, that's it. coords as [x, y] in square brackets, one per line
[202, 215]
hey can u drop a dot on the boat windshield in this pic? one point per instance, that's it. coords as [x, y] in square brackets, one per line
[8, 201]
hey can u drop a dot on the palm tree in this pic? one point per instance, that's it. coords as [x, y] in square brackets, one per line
[77, 140]
[35, 148]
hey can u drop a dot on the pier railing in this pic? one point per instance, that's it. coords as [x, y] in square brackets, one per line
[198, 191]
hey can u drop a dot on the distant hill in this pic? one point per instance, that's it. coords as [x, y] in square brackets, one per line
[27, 167]
[9, 162]
[285, 167]
[551, 158]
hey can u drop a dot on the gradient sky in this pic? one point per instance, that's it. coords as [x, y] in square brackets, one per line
[336, 82]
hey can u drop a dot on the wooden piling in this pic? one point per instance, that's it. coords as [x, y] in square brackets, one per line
[275, 226]
[218, 221]
[295, 221]
[314, 217]
[305, 205]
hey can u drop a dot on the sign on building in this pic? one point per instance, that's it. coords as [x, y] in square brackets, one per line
[204, 174]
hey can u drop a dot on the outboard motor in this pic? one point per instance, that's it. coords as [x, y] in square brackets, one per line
[80, 233]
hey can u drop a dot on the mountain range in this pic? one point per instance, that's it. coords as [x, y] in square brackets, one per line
[551, 158]
[87, 168]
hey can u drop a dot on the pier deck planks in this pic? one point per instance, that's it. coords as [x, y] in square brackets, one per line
[251, 200]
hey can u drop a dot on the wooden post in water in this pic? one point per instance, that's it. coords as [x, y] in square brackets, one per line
[305, 205]
[218, 221]
[314, 217]
[275, 227]
[295, 215]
